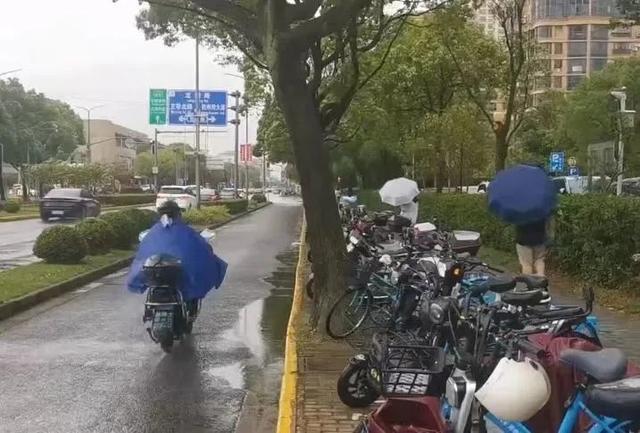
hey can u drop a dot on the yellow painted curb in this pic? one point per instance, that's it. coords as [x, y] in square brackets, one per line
[289, 386]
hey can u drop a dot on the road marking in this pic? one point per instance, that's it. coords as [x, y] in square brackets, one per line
[88, 287]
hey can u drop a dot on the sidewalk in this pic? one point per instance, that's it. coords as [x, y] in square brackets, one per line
[320, 362]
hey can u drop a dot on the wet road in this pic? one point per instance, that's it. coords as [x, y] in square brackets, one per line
[83, 362]
[16, 242]
[17, 239]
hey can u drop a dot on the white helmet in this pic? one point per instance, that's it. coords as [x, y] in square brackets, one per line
[516, 390]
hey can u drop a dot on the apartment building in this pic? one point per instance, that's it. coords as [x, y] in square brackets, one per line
[576, 39]
[114, 144]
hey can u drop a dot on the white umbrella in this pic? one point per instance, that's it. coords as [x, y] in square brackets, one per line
[397, 192]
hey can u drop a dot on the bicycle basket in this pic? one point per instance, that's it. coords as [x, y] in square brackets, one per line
[404, 369]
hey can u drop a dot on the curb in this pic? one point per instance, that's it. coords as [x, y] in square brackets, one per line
[27, 301]
[289, 386]
[240, 215]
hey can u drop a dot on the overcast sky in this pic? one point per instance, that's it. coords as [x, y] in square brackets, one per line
[89, 52]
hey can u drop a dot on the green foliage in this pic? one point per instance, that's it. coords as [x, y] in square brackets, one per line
[60, 244]
[126, 199]
[259, 198]
[12, 206]
[98, 235]
[235, 206]
[28, 119]
[594, 239]
[71, 176]
[143, 219]
[206, 216]
[124, 228]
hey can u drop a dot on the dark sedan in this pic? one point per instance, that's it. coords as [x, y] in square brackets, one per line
[68, 203]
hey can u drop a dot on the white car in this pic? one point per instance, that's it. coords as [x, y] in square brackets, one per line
[227, 193]
[182, 195]
[206, 194]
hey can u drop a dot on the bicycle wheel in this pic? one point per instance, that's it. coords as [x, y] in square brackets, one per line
[348, 313]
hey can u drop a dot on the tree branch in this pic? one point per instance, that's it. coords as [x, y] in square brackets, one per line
[335, 18]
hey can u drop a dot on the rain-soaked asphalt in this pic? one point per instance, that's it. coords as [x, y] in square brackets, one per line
[16, 240]
[83, 362]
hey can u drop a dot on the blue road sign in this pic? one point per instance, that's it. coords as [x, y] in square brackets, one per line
[574, 171]
[182, 107]
[556, 162]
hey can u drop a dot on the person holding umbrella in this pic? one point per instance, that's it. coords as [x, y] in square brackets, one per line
[402, 192]
[525, 196]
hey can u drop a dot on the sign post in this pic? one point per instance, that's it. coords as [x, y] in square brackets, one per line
[157, 106]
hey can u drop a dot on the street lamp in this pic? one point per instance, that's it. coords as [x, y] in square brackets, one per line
[10, 72]
[88, 110]
[236, 123]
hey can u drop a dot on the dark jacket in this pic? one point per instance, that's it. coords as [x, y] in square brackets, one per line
[533, 234]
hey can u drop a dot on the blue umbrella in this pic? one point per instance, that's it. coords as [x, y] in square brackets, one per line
[522, 194]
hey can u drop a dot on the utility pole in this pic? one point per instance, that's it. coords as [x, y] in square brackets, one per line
[236, 123]
[2, 194]
[197, 121]
[264, 172]
[621, 96]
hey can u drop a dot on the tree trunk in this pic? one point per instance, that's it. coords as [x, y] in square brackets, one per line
[501, 150]
[301, 113]
[2, 194]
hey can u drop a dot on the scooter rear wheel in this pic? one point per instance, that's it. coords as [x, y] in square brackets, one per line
[167, 344]
[354, 388]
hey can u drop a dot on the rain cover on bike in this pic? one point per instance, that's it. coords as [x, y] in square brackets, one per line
[202, 270]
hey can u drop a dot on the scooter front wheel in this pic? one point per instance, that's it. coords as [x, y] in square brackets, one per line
[354, 388]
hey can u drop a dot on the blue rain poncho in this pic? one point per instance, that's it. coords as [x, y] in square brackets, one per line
[202, 270]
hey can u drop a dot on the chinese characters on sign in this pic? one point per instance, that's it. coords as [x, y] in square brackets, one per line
[246, 153]
[182, 107]
[157, 106]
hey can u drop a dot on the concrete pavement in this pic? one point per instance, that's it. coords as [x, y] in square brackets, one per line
[83, 362]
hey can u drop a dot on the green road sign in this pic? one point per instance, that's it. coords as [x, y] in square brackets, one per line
[157, 106]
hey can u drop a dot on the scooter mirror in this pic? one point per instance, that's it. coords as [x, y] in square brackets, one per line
[208, 235]
[142, 235]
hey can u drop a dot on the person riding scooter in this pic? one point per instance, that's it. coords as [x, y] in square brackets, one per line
[201, 269]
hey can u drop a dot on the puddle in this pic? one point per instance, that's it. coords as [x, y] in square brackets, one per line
[261, 327]
[232, 374]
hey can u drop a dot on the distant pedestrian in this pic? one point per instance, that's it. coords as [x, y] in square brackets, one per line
[531, 246]
[410, 210]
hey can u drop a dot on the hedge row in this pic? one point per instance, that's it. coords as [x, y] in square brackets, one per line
[126, 199]
[594, 238]
[65, 244]
[206, 216]
[235, 206]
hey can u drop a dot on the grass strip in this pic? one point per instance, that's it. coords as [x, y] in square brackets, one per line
[36, 276]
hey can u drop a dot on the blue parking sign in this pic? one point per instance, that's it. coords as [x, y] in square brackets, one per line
[182, 107]
[556, 162]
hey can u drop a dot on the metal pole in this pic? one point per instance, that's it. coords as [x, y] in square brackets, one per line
[236, 170]
[198, 122]
[89, 136]
[156, 177]
[246, 141]
[175, 156]
[2, 193]
[623, 109]
[264, 172]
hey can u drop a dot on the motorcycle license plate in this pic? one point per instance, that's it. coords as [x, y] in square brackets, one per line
[57, 212]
